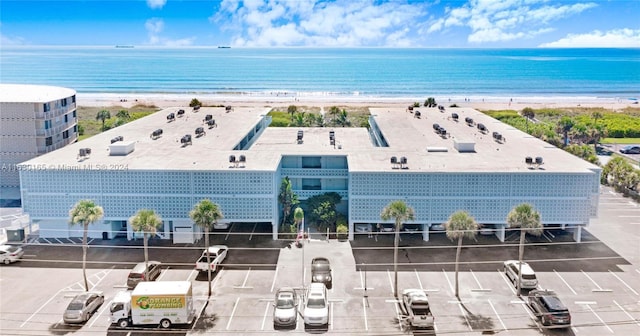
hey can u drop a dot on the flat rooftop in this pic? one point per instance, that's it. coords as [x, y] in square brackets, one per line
[25, 93]
[406, 135]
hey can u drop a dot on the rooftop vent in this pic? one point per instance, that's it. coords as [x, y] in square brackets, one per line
[180, 113]
[528, 160]
[232, 158]
[156, 134]
[454, 116]
[211, 123]
[228, 108]
[469, 121]
[242, 160]
[118, 138]
[300, 136]
[539, 161]
[498, 137]
[417, 114]
[208, 117]
[200, 132]
[433, 149]
[171, 117]
[186, 140]
[436, 127]
[84, 153]
[394, 162]
[121, 148]
[196, 108]
[482, 128]
[441, 108]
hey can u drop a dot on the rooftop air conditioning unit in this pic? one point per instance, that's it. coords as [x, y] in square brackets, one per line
[121, 148]
[171, 117]
[156, 134]
[180, 113]
[200, 132]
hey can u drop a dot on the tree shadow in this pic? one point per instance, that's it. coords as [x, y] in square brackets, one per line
[63, 329]
[478, 322]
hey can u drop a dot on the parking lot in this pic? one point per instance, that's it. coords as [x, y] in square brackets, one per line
[598, 280]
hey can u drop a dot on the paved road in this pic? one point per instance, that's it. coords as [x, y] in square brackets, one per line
[599, 280]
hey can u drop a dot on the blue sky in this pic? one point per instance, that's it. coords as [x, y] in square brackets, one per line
[322, 23]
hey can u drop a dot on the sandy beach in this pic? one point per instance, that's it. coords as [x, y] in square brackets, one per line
[284, 99]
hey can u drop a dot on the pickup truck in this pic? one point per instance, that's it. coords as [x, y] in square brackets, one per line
[217, 253]
[415, 305]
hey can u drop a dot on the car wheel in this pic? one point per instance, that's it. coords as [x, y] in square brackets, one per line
[7, 261]
[123, 323]
[165, 324]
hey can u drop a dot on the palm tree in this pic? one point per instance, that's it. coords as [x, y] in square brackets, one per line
[525, 217]
[287, 198]
[459, 226]
[147, 222]
[528, 113]
[333, 111]
[343, 119]
[400, 212]
[205, 214]
[299, 120]
[298, 217]
[85, 213]
[292, 109]
[123, 114]
[103, 115]
[565, 124]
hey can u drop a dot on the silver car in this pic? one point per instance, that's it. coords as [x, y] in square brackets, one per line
[9, 254]
[285, 308]
[82, 307]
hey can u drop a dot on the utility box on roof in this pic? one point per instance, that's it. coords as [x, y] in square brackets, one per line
[121, 148]
[463, 146]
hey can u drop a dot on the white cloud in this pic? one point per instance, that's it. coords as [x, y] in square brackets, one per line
[506, 20]
[619, 38]
[155, 26]
[156, 4]
[321, 23]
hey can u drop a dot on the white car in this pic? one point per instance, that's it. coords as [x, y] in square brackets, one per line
[9, 253]
[528, 279]
[217, 254]
[316, 308]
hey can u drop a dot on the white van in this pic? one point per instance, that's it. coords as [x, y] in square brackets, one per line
[528, 278]
[316, 308]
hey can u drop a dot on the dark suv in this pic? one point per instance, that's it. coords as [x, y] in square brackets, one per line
[548, 308]
[137, 274]
[321, 271]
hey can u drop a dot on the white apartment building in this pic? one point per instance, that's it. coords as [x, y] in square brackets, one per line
[34, 120]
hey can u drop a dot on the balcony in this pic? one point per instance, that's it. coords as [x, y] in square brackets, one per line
[57, 145]
[314, 172]
[55, 130]
[305, 194]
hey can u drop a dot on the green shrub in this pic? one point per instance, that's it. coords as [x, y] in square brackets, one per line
[195, 102]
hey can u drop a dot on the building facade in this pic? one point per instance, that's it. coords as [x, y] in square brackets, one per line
[34, 120]
[240, 165]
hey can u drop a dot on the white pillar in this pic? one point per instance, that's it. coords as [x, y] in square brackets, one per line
[351, 229]
[425, 232]
[501, 232]
[577, 233]
[274, 230]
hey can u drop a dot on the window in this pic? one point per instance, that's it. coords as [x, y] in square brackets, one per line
[48, 141]
[47, 124]
[311, 184]
[66, 118]
[63, 102]
[65, 134]
[46, 107]
[74, 112]
[311, 162]
[73, 99]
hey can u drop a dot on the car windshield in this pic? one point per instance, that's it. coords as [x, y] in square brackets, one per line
[12, 249]
[529, 276]
[117, 306]
[315, 303]
[75, 306]
[285, 303]
[321, 267]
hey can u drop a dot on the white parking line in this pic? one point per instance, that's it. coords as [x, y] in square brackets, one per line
[39, 309]
[244, 283]
[395, 306]
[390, 282]
[624, 283]
[627, 313]
[479, 289]
[599, 289]
[497, 315]
[163, 273]
[253, 231]
[465, 315]
[544, 234]
[533, 318]
[565, 282]
[449, 282]
[266, 310]
[598, 316]
[364, 308]
[275, 276]
[59, 241]
[418, 277]
[507, 281]
[233, 312]
[228, 233]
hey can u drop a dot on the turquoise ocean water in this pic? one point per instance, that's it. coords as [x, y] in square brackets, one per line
[610, 73]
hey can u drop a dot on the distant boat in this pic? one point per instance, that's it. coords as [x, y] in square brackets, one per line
[124, 46]
[224, 47]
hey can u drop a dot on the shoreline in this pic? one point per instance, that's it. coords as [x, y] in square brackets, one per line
[276, 99]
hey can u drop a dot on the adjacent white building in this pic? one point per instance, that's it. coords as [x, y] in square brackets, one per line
[34, 120]
[477, 164]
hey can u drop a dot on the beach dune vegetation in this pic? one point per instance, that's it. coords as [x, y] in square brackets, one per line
[195, 102]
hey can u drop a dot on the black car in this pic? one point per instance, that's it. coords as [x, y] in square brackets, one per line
[321, 271]
[630, 150]
[548, 308]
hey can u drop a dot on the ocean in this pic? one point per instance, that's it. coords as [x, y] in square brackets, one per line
[352, 72]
